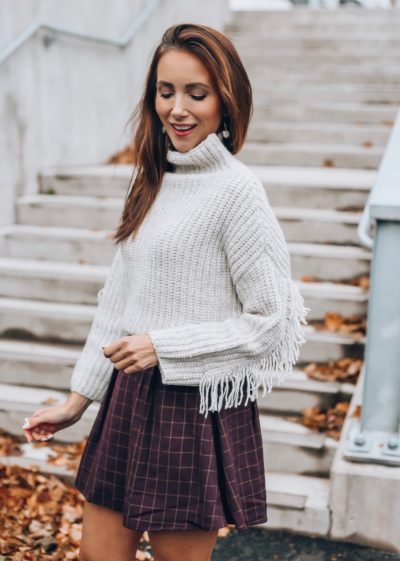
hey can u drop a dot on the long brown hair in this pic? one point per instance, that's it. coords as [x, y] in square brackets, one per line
[231, 82]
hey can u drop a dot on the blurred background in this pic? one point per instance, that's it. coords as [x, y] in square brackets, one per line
[324, 140]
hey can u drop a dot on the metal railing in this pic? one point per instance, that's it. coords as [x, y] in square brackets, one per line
[120, 43]
[376, 436]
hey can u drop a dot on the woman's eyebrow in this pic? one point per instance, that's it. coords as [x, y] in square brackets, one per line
[188, 86]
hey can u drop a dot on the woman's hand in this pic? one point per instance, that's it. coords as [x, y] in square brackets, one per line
[45, 422]
[132, 353]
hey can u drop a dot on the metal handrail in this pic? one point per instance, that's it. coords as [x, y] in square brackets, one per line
[364, 226]
[377, 190]
[121, 43]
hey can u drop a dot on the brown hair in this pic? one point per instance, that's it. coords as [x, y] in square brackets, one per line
[231, 82]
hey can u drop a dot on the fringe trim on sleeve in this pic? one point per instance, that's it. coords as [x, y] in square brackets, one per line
[277, 363]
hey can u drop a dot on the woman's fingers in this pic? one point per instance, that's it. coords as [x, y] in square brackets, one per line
[36, 432]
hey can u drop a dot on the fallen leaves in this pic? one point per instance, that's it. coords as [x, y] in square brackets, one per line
[345, 370]
[329, 421]
[353, 324]
[362, 281]
[40, 516]
[66, 455]
[125, 156]
[368, 144]
[9, 445]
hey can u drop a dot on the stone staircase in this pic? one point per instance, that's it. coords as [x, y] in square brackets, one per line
[325, 99]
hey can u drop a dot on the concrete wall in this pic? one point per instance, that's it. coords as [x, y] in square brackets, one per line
[66, 101]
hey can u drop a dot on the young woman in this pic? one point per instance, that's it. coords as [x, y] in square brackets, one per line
[198, 311]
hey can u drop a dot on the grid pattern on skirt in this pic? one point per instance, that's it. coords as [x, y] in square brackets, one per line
[151, 455]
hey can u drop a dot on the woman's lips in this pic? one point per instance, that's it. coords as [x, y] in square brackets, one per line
[183, 133]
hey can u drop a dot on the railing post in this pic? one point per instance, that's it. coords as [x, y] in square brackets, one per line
[375, 437]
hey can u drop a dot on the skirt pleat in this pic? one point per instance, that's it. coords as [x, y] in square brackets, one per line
[153, 457]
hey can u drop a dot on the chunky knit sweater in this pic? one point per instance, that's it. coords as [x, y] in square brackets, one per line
[208, 278]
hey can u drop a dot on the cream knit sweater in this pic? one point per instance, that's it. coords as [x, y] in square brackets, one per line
[208, 277]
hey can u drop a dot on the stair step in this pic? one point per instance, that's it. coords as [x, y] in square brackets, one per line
[39, 364]
[251, 55]
[51, 321]
[325, 261]
[317, 188]
[322, 346]
[100, 180]
[333, 188]
[101, 213]
[319, 225]
[55, 321]
[339, 112]
[70, 283]
[315, 41]
[329, 262]
[293, 20]
[323, 297]
[290, 447]
[308, 133]
[297, 503]
[53, 243]
[54, 281]
[300, 392]
[317, 155]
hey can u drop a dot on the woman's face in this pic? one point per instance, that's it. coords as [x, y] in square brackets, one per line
[185, 96]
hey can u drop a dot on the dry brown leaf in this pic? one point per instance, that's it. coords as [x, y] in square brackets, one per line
[330, 422]
[49, 400]
[354, 324]
[309, 278]
[125, 156]
[345, 370]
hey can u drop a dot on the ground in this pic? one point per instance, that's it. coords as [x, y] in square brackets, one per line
[258, 544]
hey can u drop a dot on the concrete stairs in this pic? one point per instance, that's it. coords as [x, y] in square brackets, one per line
[324, 107]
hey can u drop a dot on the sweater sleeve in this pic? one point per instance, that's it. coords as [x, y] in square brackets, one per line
[92, 372]
[264, 340]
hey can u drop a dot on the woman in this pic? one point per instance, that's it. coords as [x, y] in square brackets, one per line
[198, 311]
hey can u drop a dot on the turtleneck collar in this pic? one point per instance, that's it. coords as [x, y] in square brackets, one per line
[207, 156]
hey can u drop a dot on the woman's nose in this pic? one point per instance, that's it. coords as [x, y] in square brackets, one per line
[178, 107]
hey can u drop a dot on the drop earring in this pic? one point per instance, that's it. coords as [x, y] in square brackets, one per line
[163, 129]
[224, 133]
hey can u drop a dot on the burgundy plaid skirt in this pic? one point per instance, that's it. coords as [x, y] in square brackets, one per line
[153, 457]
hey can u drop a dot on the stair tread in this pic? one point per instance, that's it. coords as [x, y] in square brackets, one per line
[315, 147]
[86, 311]
[58, 269]
[55, 232]
[284, 488]
[318, 214]
[87, 201]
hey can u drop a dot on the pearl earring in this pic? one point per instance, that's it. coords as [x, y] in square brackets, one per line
[225, 132]
[163, 129]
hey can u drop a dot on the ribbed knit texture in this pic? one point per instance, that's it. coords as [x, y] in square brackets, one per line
[208, 277]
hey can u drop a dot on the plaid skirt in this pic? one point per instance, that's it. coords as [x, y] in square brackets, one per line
[153, 457]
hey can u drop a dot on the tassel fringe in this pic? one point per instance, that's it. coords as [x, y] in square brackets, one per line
[278, 363]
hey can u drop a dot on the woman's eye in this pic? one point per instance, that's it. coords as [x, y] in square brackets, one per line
[196, 97]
